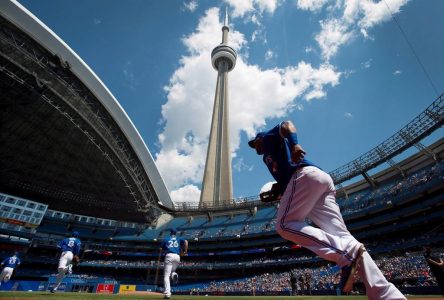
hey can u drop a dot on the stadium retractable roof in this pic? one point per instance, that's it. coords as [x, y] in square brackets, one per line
[65, 140]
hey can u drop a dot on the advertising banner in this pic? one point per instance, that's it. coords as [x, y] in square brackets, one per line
[103, 288]
[124, 288]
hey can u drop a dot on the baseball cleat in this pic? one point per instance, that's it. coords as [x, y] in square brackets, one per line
[175, 278]
[52, 290]
[167, 297]
[70, 269]
[348, 272]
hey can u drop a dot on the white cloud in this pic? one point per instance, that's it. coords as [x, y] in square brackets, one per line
[128, 74]
[239, 165]
[240, 7]
[397, 72]
[376, 13]
[348, 115]
[334, 33]
[367, 64]
[309, 49]
[244, 7]
[259, 35]
[188, 194]
[271, 93]
[347, 73]
[97, 21]
[266, 187]
[355, 16]
[312, 5]
[190, 6]
[266, 5]
[269, 55]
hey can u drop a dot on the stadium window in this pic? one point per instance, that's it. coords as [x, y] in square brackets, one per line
[77, 218]
[21, 202]
[41, 207]
[6, 208]
[17, 211]
[37, 215]
[83, 219]
[30, 205]
[58, 215]
[10, 200]
[27, 212]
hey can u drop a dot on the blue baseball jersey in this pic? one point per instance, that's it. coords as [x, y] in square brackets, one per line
[277, 157]
[11, 262]
[172, 244]
[70, 244]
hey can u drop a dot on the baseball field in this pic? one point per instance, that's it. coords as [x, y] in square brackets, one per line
[84, 296]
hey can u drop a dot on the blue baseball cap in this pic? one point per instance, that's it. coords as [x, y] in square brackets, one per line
[75, 234]
[173, 230]
[258, 136]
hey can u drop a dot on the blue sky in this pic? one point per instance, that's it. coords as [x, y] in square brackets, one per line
[341, 70]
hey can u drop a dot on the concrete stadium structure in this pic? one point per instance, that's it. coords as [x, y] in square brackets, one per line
[66, 141]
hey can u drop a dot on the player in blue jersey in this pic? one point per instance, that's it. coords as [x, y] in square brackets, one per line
[9, 265]
[173, 247]
[305, 191]
[69, 249]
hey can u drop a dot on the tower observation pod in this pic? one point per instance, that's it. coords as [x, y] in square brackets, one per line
[217, 186]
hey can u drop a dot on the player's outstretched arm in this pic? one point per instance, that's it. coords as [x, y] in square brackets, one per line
[185, 248]
[288, 131]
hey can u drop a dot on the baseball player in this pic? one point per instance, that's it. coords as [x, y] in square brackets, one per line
[436, 265]
[304, 190]
[70, 249]
[173, 247]
[9, 265]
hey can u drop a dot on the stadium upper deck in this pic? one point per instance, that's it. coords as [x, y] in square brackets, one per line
[66, 141]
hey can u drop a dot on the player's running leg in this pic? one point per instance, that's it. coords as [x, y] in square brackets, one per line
[166, 275]
[65, 260]
[308, 187]
[376, 285]
[5, 275]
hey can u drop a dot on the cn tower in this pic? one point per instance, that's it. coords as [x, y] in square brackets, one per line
[217, 187]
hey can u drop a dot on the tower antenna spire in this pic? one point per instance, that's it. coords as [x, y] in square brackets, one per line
[226, 17]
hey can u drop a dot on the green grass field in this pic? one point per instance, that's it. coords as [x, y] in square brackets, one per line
[79, 296]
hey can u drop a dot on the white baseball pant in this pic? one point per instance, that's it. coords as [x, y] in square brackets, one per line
[172, 261]
[65, 259]
[6, 274]
[311, 193]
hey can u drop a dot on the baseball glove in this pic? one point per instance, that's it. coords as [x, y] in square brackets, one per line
[272, 195]
[75, 260]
